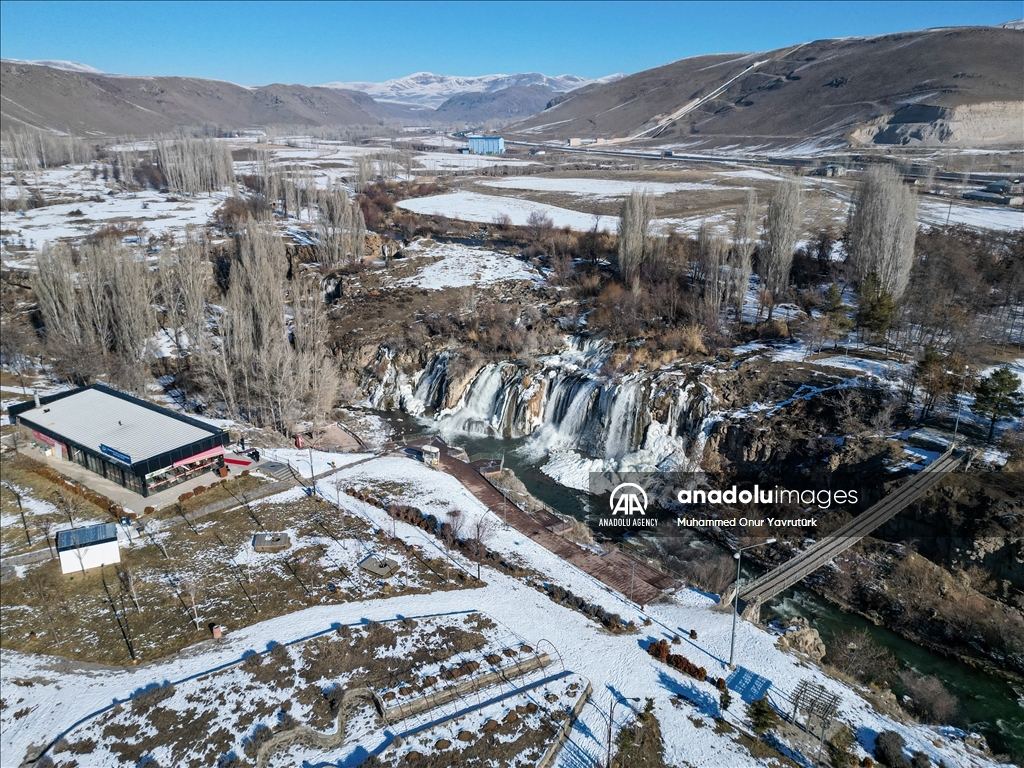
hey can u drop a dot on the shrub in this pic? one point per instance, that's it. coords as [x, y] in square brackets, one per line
[889, 750]
[185, 496]
[260, 736]
[253, 661]
[150, 698]
[839, 747]
[198, 489]
[931, 701]
[149, 510]
[920, 760]
[762, 716]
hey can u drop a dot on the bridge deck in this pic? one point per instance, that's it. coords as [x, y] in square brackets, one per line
[817, 555]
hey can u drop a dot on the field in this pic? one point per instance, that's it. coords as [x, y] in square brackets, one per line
[188, 577]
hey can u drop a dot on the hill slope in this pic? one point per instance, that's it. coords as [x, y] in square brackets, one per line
[956, 86]
[86, 102]
[518, 101]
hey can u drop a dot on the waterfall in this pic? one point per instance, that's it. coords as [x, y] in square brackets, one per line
[567, 408]
[432, 386]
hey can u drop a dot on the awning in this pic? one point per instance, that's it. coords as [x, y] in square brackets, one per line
[218, 451]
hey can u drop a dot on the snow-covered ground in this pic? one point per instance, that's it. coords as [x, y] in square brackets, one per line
[311, 462]
[997, 217]
[597, 189]
[456, 265]
[62, 694]
[472, 206]
[445, 161]
[156, 212]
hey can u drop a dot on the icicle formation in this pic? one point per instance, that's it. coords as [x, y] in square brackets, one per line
[193, 166]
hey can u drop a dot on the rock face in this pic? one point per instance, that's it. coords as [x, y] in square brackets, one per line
[563, 401]
[804, 641]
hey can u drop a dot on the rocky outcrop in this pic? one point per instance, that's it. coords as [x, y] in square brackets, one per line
[804, 641]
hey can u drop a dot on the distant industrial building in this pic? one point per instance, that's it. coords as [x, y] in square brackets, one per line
[486, 145]
[80, 549]
[135, 444]
[1003, 192]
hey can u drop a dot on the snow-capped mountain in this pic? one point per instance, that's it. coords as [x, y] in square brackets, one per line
[70, 66]
[425, 89]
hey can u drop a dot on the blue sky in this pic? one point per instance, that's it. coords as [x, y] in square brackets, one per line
[312, 43]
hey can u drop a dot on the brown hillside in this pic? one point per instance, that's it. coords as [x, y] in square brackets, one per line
[79, 102]
[965, 83]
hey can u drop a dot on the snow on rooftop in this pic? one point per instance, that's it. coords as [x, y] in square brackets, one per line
[94, 418]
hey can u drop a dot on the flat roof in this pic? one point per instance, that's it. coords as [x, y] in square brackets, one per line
[84, 537]
[98, 418]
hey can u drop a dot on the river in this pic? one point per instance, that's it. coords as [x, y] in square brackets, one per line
[991, 705]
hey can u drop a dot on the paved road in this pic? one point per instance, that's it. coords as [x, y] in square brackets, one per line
[812, 558]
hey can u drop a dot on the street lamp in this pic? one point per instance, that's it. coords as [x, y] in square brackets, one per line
[738, 554]
[959, 404]
[611, 720]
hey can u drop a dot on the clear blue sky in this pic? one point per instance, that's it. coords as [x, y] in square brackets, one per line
[312, 43]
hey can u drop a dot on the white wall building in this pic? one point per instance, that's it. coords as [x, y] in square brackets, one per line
[80, 549]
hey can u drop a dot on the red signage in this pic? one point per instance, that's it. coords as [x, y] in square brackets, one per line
[44, 438]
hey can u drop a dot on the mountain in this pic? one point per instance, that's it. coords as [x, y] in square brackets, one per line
[518, 101]
[70, 66]
[426, 89]
[955, 86]
[88, 102]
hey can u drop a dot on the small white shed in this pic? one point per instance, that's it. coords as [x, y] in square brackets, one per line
[80, 549]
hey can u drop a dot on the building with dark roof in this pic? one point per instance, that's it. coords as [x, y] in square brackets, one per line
[93, 546]
[129, 441]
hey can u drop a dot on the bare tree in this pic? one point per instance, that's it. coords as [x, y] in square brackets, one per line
[451, 532]
[483, 529]
[130, 582]
[634, 223]
[781, 229]
[46, 524]
[708, 272]
[186, 276]
[883, 224]
[70, 504]
[192, 166]
[744, 236]
[54, 287]
[364, 171]
[341, 230]
[539, 226]
[191, 588]
[314, 360]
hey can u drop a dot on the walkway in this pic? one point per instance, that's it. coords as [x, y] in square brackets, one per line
[631, 578]
[820, 553]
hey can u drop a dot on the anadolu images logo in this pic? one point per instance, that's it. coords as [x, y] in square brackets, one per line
[628, 498]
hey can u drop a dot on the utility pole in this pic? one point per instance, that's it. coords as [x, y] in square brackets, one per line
[736, 595]
[959, 404]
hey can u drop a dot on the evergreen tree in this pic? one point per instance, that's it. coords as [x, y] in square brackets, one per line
[762, 716]
[724, 701]
[999, 396]
[875, 308]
